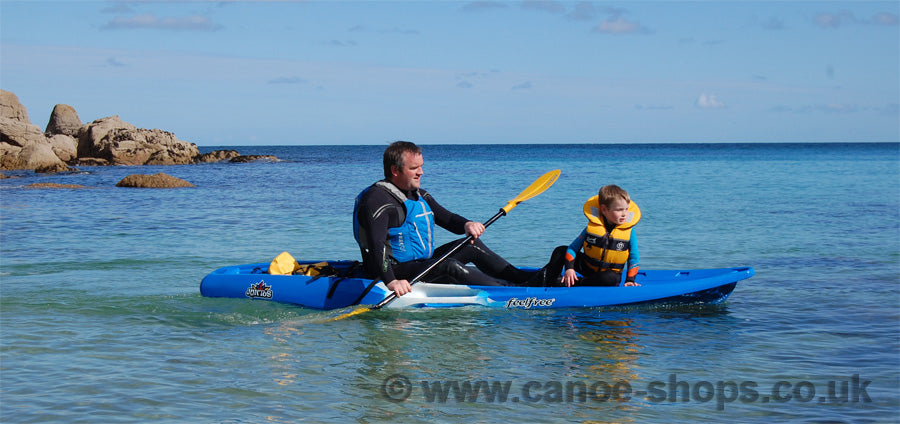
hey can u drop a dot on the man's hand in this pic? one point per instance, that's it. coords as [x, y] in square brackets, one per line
[400, 287]
[474, 229]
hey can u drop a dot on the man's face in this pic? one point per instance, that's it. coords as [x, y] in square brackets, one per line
[409, 177]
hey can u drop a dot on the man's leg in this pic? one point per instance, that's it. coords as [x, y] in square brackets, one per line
[450, 271]
[486, 260]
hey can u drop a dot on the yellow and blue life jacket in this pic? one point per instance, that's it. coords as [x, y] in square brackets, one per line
[607, 250]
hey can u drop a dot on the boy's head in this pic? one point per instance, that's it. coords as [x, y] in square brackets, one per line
[614, 204]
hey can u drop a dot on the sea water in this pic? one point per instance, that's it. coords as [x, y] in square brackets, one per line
[101, 319]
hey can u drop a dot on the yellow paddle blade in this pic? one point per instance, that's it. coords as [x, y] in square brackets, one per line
[537, 187]
[350, 314]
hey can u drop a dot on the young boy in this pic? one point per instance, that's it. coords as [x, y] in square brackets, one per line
[607, 247]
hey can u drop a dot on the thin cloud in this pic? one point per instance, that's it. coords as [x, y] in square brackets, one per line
[620, 25]
[891, 109]
[287, 80]
[774, 24]
[112, 61]
[341, 43]
[523, 86]
[834, 20]
[544, 6]
[839, 108]
[709, 101]
[886, 19]
[117, 8]
[401, 31]
[653, 107]
[583, 11]
[150, 21]
[482, 6]
[832, 108]
[844, 17]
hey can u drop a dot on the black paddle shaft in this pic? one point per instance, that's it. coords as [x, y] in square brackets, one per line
[390, 298]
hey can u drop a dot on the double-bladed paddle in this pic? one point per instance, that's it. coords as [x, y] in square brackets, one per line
[537, 187]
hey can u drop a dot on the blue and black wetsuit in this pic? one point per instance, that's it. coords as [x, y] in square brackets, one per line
[397, 246]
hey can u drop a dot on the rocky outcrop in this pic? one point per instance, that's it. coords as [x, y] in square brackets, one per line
[54, 185]
[12, 108]
[121, 143]
[106, 141]
[218, 156]
[64, 120]
[253, 158]
[22, 144]
[65, 147]
[159, 180]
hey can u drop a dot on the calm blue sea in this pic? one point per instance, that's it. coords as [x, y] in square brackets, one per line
[101, 319]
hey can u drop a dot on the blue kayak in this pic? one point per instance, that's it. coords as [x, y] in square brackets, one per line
[342, 285]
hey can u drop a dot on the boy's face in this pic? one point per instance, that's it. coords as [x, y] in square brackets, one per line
[617, 213]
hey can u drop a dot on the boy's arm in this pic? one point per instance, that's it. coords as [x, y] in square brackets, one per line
[574, 248]
[633, 260]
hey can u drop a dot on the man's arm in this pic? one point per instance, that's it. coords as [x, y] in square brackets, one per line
[444, 218]
[378, 211]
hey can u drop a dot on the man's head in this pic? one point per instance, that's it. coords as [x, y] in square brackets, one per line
[403, 164]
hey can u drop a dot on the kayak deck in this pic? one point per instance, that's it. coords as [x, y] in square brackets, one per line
[348, 288]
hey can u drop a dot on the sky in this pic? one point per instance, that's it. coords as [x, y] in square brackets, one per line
[232, 73]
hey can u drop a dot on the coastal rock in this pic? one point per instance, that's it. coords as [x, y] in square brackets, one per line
[35, 154]
[105, 141]
[218, 156]
[159, 180]
[124, 144]
[12, 108]
[23, 144]
[63, 120]
[53, 185]
[54, 168]
[20, 133]
[65, 147]
[92, 162]
[254, 158]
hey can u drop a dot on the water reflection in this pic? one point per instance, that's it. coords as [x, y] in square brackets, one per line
[586, 364]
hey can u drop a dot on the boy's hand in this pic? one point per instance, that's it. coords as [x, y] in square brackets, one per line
[569, 278]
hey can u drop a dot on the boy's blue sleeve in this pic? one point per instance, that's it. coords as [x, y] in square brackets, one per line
[633, 257]
[574, 248]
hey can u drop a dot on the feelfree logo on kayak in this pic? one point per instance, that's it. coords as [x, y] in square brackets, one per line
[259, 290]
[529, 302]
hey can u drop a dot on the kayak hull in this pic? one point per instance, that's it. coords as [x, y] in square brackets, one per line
[252, 281]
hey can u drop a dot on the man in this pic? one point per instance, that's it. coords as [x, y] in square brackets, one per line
[393, 222]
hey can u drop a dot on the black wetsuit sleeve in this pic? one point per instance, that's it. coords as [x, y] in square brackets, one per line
[378, 211]
[444, 218]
